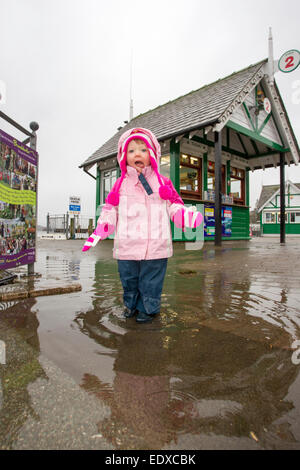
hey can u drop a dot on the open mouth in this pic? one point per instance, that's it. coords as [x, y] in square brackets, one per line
[139, 163]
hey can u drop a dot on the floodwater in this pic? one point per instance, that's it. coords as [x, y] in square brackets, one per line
[217, 369]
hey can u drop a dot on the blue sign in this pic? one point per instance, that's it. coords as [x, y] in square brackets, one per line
[209, 221]
[73, 208]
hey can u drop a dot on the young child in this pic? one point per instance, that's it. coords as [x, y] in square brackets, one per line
[139, 208]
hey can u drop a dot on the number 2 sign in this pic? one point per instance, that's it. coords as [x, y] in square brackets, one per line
[267, 105]
[289, 61]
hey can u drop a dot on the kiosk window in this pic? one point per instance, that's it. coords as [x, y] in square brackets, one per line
[165, 165]
[109, 177]
[190, 176]
[211, 176]
[278, 218]
[237, 185]
[270, 217]
[295, 217]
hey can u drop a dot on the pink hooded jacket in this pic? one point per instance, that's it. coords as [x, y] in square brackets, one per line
[142, 221]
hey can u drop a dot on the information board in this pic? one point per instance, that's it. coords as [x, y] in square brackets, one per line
[209, 221]
[18, 185]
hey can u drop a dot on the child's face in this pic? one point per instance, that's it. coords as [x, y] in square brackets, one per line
[138, 155]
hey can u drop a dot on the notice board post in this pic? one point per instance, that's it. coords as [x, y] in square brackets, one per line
[34, 127]
[74, 209]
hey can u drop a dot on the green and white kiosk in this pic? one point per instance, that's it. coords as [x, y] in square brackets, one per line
[211, 139]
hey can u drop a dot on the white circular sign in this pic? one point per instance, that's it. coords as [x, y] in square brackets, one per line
[289, 61]
[267, 105]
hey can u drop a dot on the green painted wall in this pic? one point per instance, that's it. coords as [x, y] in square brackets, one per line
[247, 188]
[290, 229]
[240, 223]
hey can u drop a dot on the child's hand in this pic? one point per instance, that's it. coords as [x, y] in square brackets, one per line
[198, 220]
[102, 231]
[187, 218]
[91, 242]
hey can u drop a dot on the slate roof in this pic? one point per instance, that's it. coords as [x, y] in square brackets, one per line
[192, 111]
[267, 192]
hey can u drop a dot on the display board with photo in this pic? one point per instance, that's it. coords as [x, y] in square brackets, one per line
[18, 186]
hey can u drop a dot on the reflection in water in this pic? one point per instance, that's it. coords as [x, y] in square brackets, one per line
[204, 381]
[190, 371]
[215, 364]
[68, 268]
[273, 306]
[22, 367]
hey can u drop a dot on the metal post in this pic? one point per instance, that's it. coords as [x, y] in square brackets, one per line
[282, 199]
[175, 164]
[34, 127]
[72, 230]
[67, 227]
[90, 227]
[218, 189]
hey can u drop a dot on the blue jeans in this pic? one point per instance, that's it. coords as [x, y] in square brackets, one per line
[142, 283]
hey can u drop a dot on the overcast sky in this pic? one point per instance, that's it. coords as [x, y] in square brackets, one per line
[66, 65]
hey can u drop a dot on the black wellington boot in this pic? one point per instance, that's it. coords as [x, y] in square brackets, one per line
[143, 318]
[129, 313]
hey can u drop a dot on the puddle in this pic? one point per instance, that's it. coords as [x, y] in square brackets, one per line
[214, 369]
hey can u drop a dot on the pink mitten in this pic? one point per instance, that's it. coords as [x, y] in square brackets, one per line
[91, 241]
[102, 231]
[195, 219]
[185, 218]
[178, 218]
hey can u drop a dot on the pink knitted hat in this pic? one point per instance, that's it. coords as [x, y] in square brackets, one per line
[154, 151]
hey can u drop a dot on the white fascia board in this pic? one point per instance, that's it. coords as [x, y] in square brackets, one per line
[296, 189]
[189, 146]
[179, 138]
[263, 161]
[279, 115]
[239, 99]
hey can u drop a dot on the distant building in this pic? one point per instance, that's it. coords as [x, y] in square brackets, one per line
[268, 207]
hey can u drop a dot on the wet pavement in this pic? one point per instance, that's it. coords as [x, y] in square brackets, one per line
[217, 369]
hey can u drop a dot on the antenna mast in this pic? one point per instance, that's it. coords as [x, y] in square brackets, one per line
[131, 100]
[271, 58]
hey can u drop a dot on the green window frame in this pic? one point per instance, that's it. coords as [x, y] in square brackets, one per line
[108, 179]
[270, 217]
[295, 217]
[190, 176]
[237, 185]
[286, 217]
